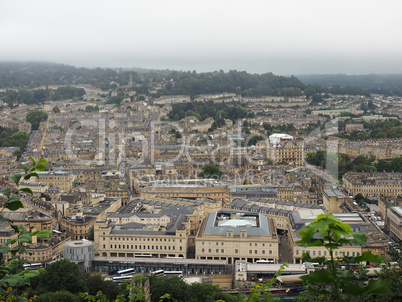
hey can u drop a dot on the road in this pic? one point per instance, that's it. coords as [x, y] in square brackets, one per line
[285, 254]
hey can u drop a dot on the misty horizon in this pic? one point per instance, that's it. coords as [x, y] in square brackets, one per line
[285, 38]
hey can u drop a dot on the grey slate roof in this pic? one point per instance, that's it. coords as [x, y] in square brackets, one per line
[262, 229]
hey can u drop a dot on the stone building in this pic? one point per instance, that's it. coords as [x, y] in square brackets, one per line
[60, 179]
[283, 148]
[373, 184]
[158, 234]
[393, 223]
[232, 236]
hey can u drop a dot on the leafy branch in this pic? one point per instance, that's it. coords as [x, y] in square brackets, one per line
[331, 283]
[12, 273]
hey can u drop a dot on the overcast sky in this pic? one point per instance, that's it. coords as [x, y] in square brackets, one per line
[281, 36]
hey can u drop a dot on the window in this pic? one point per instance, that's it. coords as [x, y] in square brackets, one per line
[217, 250]
[250, 251]
[236, 251]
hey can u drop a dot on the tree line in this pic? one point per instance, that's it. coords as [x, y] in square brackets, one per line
[38, 96]
[204, 110]
[388, 84]
[32, 75]
[373, 130]
[360, 163]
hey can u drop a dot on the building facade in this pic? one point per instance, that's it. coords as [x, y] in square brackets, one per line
[232, 236]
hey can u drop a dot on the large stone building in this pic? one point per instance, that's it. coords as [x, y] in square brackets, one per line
[158, 234]
[233, 236]
[373, 184]
[284, 148]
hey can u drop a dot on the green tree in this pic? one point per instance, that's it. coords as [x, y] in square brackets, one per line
[178, 135]
[35, 116]
[17, 139]
[359, 197]
[59, 296]
[382, 165]
[174, 286]
[96, 283]
[210, 171]
[90, 108]
[331, 283]
[61, 275]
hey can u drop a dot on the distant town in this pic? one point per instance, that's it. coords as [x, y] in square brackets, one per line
[213, 186]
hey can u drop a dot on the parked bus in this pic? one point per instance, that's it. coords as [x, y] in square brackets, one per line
[158, 273]
[173, 273]
[120, 279]
[33, 266]
[143, 256]
[129, 271]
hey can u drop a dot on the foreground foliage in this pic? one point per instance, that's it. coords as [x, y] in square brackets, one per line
[12, 273]
[331, 283]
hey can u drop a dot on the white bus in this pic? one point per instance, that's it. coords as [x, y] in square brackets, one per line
[129, 271]
[143, 256]
[120, 279]
[158, 273]
[173, 273]
[33, 266]
[172, 257]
